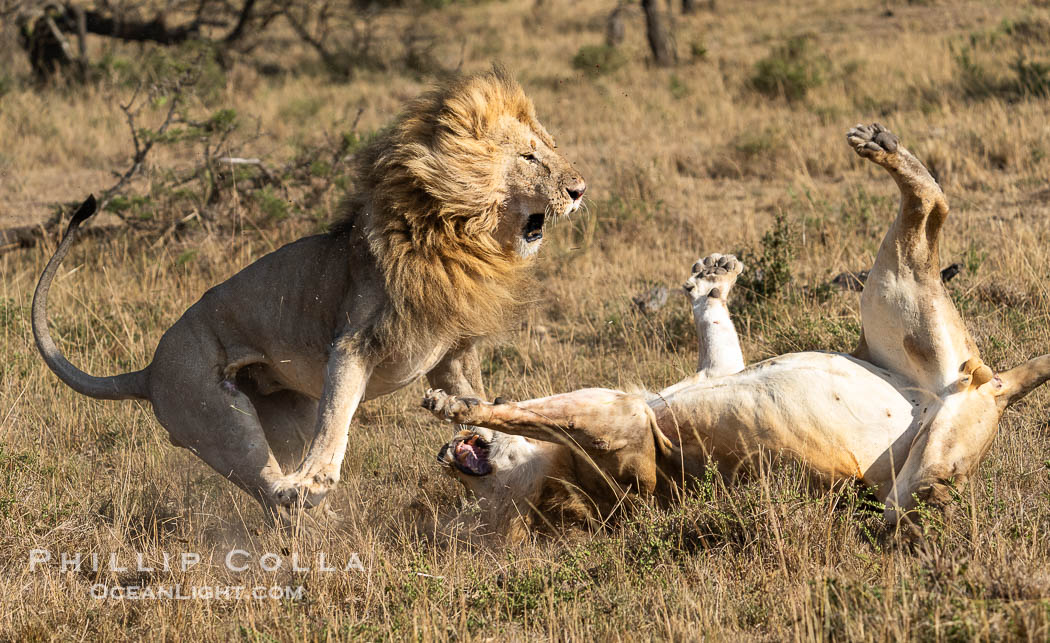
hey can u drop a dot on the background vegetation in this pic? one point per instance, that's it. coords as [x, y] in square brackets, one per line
[736, 145]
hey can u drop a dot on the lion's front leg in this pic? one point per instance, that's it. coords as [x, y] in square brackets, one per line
[459, 371]
[598, 421]
[708, 290]
[346, 377]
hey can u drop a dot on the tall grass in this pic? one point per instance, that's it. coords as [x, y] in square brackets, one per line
[674, 175]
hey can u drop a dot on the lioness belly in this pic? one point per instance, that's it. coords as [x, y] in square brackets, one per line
[841, 416]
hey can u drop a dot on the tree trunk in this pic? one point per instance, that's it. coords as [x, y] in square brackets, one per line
[658, 30]
[614, 27]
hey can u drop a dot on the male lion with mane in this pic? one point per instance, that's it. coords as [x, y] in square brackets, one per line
[261, 377]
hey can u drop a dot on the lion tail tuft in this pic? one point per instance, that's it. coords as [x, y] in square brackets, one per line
[126, 386]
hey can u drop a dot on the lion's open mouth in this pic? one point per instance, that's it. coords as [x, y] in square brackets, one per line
[469, 454]
[533, 230]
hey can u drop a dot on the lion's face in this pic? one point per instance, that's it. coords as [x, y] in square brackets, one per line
[493, 465]
[540, 186]
[452, 199]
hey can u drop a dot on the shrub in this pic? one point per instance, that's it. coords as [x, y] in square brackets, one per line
[769, 267]
[598, 59]
[980, 78]
[194, 64]
[1026, 77]
[790, 70]
[698, 50]
[273, 207]
[1032, 78]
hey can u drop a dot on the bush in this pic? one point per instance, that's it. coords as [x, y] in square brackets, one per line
[273, 207]
[978, 77]
[790, 70]
[598, 59]
[972, 78]
[193, 63]
[769, 267]
[1032, 78]
[1026, 77]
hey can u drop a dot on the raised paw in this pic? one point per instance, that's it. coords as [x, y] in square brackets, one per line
[450, 408]
[304, 490]
[873, 142]
[713, 276]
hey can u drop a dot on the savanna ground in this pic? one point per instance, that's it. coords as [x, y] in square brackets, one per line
[738, 148]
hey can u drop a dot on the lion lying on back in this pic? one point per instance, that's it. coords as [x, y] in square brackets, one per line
[261, 377]
[909, 414]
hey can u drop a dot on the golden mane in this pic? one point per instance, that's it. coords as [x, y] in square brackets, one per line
[428, 193]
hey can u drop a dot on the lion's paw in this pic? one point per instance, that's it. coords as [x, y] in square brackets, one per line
[873, 142]
[304, 490]
[713, 276]
[450, 408]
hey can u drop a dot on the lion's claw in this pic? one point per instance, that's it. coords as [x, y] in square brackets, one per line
[303, 490]
[434, 400]
[450, 408]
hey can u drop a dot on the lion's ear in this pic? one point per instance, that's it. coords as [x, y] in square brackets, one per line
[489, 218]
[542, 132]
[503, 75]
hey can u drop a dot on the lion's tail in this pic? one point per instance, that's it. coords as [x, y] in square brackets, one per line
[1022, 380]
[117, 387]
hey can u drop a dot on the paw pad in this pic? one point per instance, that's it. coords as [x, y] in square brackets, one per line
[713, 276]
[872, 140]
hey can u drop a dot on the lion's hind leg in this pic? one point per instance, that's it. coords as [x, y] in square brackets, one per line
[288, 419]
[923, 205]
[222, 428]
[910, 325]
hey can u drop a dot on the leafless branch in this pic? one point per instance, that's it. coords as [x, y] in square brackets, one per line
[243, 19]
[330, 58]
[142, 148]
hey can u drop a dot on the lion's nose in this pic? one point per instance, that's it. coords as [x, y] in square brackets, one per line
[442, 452]
[576, 191]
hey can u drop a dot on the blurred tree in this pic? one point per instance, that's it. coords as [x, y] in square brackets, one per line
[42, 34]
[614, 26]
[333, 28]
[658, 31]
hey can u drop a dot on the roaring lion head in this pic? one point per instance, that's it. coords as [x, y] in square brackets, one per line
[453, 198]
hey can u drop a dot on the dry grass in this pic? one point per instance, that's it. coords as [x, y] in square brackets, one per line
[680, 162]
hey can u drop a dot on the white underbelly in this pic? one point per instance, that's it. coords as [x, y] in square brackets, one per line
[400, 370]
[831, 410]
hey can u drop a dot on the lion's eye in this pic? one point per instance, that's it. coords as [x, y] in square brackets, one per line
[529, 157]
